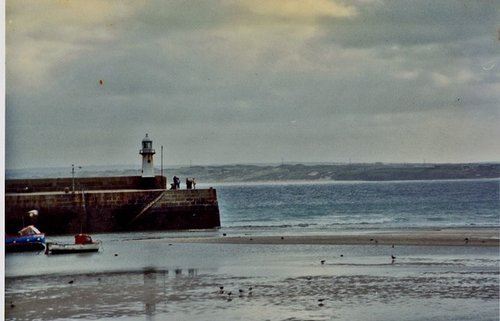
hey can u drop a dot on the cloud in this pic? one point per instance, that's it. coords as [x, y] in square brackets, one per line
[299, 9]
[43, 34]
[386, 23]
[224, 81]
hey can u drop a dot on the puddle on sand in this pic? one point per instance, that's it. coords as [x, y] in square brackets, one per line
[193, 295]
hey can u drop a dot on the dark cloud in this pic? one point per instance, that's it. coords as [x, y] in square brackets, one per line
[217, 82]
[414, 23]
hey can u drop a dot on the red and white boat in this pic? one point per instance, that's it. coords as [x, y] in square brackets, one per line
[83, 243]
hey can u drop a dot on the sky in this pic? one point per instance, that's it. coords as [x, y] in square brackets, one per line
[251, 81]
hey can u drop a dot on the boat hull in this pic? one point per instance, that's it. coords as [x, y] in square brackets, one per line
[58, 248]
[25, 243]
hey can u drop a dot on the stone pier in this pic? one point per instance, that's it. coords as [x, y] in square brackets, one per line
[107, 204]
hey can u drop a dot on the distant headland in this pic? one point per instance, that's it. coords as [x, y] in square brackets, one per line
[288, 172]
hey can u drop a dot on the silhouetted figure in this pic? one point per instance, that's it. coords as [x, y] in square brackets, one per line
[190, 183]
[177, 183]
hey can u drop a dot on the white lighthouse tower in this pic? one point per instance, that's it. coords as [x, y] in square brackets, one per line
[147, 152]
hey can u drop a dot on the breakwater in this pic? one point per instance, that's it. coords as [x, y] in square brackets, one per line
[83, 184]
[107, 204]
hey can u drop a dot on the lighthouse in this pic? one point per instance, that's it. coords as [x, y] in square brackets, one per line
[147, 153]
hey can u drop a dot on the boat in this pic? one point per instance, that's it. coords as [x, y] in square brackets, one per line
[28, 239]
[83, 244]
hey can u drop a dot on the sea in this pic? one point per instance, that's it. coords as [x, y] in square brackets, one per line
[149, 276]
[304, 207]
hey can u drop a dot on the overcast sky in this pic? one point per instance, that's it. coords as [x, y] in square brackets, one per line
[225, 81]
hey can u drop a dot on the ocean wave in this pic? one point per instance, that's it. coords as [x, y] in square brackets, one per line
[271, 226]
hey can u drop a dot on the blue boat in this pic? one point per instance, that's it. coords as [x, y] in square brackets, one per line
[29, 239]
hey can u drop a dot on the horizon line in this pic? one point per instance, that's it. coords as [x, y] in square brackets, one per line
[138, 166]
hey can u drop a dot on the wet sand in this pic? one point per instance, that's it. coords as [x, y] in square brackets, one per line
[437, 275]
[447, 237]
[185, 295]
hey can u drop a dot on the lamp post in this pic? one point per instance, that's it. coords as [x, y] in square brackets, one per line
[161, 170]
[73, 177]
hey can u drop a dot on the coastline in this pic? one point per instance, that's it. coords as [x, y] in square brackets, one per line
[424, 237]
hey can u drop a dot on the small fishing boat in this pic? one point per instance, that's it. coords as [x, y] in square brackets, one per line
[83, 244]
[29, 239]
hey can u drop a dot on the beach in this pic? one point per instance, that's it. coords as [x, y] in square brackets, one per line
[463, 236]
[372, 275]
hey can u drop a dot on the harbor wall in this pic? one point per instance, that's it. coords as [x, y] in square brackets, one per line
[83, 183]
[102, 211]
